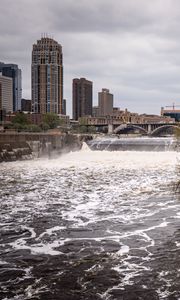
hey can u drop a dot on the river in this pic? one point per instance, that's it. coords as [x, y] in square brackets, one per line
[91, 225]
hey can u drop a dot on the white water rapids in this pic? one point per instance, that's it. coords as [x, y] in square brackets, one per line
[107, 220]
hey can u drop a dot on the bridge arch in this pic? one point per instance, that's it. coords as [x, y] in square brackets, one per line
[129, 126]
[158, 130]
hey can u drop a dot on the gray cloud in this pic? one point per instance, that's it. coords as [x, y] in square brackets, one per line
[130, 47]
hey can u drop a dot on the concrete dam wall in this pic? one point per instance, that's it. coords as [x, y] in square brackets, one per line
[18, 146]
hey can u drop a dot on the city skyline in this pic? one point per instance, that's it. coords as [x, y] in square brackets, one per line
[130, 48]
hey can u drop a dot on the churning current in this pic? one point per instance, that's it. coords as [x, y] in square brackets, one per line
[90, 225]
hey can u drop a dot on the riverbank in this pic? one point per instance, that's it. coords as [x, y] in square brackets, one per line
[19, 146]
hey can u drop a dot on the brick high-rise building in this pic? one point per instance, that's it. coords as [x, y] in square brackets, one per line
[105, 103]
[47, 76]
[82, 98]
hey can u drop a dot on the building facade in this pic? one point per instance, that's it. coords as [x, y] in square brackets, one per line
[82, 98]
[127, 117]
[26, 105]
[172, 113]
[12, 71]
[105, 103]
[47, 76]
[0, 96]
[95, 111]
[6, 94]
[64, 107]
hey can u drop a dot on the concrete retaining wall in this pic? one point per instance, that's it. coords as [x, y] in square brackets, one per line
[18, 146]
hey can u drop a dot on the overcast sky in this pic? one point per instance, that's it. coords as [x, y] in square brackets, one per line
[131, 47]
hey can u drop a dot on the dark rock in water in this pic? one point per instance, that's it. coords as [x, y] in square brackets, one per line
[26, 145]
[14, 151]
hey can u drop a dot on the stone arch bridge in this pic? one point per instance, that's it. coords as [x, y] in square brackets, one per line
[154, 129]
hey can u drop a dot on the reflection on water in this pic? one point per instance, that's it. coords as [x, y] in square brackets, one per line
[90, 225]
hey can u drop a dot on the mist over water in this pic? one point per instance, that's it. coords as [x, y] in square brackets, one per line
[91, 225]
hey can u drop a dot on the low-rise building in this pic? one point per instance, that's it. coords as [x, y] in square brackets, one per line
[64, 118]
[171, 113]
[125, 117]
[145, 119]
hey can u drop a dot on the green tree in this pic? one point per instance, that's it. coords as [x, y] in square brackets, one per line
[82, 129]
[44, 126]
[33, 128]
[20, 118]
[19, 126]
[82, 121]
[51, 119]
[92, 129]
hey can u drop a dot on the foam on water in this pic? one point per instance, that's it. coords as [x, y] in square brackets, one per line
[116, 203]
[100, 159]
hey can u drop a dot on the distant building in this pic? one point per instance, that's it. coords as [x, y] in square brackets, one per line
[145, 119]
[32, 118]
[0, 95]
[172, 113]
[47, 76]
[65, 120]
[105, 103]
[116, 110]
[95, 111]
[64, 107]
[6, 94]
[82, 98]
[1, 111]
[12, 71]
[122, 117]
[26, 105]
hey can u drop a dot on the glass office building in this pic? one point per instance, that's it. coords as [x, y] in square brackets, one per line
[12, 71]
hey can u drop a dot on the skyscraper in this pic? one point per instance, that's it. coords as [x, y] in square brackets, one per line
[82, 98]
[47, 76]
[12, 71]
[0, 95]
[6, 94]
[105, 102]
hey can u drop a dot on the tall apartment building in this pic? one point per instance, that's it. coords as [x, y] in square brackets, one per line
[105, 103]
[12, 71]
[6, 94]
[47, 76]
[82, 98]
